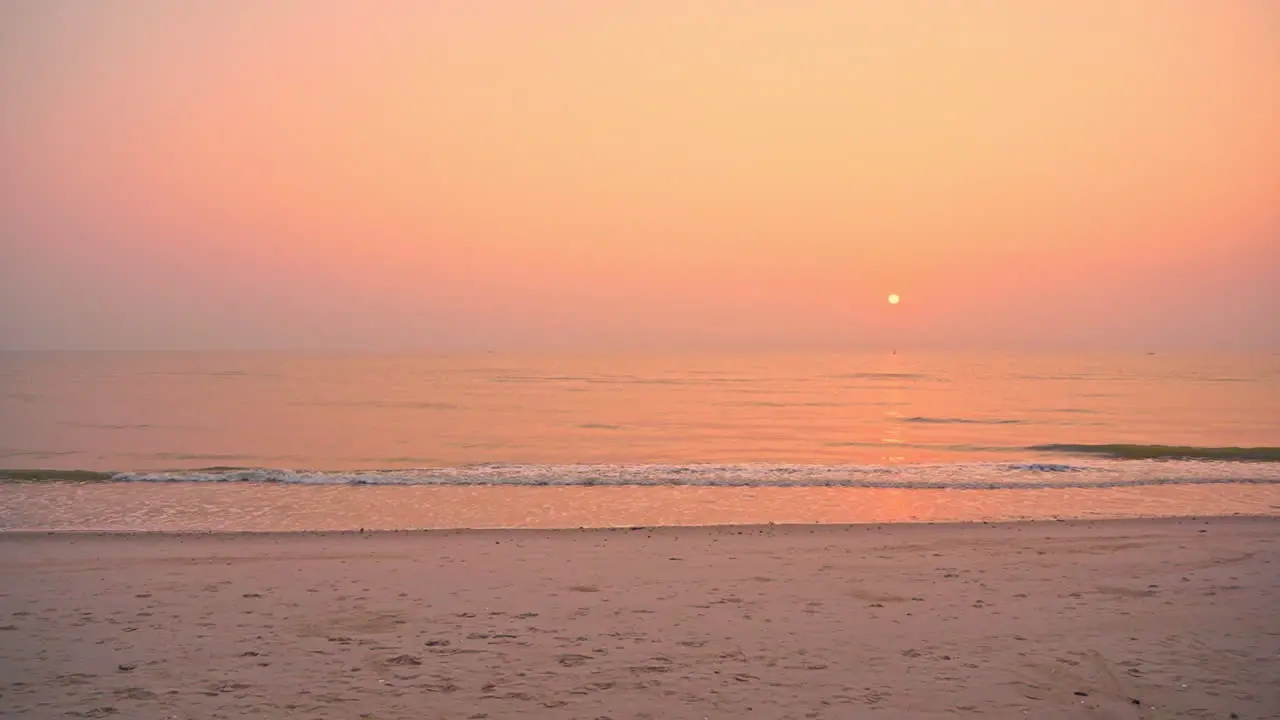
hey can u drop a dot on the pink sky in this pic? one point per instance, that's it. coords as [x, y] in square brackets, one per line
[459, 174]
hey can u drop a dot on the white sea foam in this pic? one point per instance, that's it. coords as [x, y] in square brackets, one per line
[976, 476]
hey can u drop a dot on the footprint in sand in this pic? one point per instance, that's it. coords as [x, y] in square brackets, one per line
[573, 660]
[135, 694]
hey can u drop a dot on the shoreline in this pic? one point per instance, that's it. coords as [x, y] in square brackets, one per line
[651, 529]
[232, 507]
[1133, 618]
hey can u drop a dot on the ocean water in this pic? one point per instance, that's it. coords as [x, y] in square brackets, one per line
[831, 420]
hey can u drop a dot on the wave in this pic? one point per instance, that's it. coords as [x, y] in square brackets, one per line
[108, 426]
[1169, 452]
[957, 476]
[946, 447]
[387, 404]
[622, 379]
[961, 421]
[883, 376]
[36, 476]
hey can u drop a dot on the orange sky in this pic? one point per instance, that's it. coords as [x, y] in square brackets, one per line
[459, 174]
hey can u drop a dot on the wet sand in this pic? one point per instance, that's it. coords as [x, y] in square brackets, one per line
[268, 507]
[1084, 619]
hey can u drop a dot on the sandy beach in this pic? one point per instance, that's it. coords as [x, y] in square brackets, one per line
[1085, 619]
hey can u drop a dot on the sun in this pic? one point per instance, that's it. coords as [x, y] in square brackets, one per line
[894, 299]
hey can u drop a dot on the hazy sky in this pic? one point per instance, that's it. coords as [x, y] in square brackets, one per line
[505, 173]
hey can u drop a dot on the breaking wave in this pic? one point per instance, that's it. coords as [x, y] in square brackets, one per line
[973, 476]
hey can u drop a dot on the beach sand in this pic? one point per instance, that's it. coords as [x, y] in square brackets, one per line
[1084, 619]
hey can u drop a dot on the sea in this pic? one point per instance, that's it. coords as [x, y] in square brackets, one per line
[186, 441]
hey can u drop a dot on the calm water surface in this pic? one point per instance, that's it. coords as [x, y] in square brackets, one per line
[154, 411]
